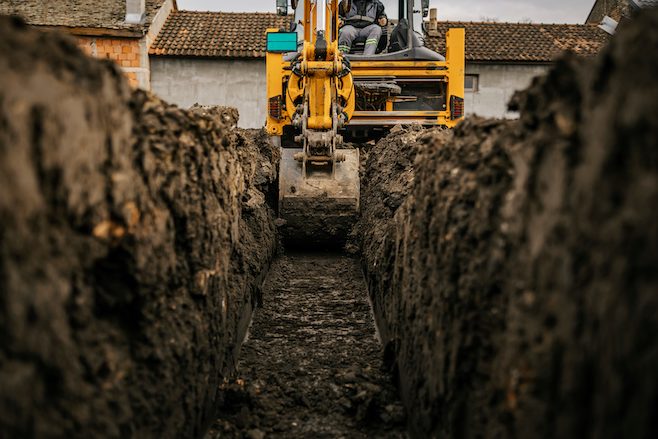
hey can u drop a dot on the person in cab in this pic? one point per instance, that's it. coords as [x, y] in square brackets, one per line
[361, 19]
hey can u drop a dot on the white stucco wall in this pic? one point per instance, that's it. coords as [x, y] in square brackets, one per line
[233, 83]
[497, 84]
[241, 84]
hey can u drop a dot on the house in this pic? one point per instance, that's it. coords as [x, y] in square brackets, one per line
[120, 30]
[219, 58]
[502, 58]
[214, 58]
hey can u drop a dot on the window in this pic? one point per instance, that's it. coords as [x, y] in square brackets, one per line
[472, 83]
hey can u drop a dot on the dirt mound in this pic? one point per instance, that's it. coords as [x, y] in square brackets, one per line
[133, 238]
[514, 284]
[430, 263]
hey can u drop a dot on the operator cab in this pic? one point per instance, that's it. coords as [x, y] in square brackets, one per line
[394, 42]
[402, 38]
[396, 11]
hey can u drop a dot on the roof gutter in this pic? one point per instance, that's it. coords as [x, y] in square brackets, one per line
[510, 62]
[94, 31]
[228, 58]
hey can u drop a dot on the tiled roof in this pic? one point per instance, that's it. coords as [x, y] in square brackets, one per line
[242, 35]
[216, 34]
[100, 14]
[522, 42]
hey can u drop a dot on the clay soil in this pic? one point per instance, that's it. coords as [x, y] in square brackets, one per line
[311, 367]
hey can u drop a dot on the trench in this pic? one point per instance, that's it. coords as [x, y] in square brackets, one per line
[311, 365]
[511, 265]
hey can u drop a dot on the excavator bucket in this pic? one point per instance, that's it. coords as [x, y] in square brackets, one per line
[318, 206]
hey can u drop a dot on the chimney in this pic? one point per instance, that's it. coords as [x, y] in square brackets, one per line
[135, 11]
[609, 25]
[432, 29]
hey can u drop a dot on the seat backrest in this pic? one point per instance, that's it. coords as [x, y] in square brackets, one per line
[399, 37]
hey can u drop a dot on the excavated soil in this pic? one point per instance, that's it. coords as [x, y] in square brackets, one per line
[133, 240]
[312, 365]
[512, 264]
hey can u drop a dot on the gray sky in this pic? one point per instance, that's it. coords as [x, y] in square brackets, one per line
[538, 11]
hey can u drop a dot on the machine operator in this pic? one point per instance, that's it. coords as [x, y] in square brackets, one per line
[361, 19]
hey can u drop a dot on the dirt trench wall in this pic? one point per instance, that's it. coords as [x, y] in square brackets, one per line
[133, 236]
[514, 281]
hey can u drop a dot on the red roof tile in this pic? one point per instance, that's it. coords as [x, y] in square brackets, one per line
[522, 42]
[216, 34]
[106, 14]
[242, 35]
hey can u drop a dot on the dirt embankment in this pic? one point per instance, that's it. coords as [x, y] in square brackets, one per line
[512, 265]
[133, 238]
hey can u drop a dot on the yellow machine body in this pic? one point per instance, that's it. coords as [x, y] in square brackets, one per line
[447, 76]
[316, 95]
[318, 80]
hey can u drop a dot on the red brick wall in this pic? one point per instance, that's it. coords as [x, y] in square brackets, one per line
[126, 52]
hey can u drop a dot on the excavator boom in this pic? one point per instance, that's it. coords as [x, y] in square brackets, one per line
[318, 181]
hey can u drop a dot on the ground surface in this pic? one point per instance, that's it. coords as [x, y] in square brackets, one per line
[312, 364]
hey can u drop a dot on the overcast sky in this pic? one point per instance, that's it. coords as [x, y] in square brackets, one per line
[537, 11]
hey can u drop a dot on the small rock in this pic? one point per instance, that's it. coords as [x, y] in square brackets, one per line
[255, 434]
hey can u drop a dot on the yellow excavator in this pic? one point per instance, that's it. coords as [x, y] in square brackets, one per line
[317, 96]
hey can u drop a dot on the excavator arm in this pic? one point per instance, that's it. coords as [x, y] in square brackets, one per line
[311, 91]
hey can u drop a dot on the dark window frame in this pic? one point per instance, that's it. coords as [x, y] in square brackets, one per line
[475, 84]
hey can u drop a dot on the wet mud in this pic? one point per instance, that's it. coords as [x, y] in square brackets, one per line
[312, 365]
[512, 263]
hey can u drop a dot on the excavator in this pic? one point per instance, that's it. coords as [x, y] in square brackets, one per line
[318, 96]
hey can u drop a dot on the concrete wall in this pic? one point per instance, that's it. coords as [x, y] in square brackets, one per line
[234, 83]
[497, 84]
[241, 84]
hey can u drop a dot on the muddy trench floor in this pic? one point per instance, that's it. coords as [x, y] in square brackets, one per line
[311, 367]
